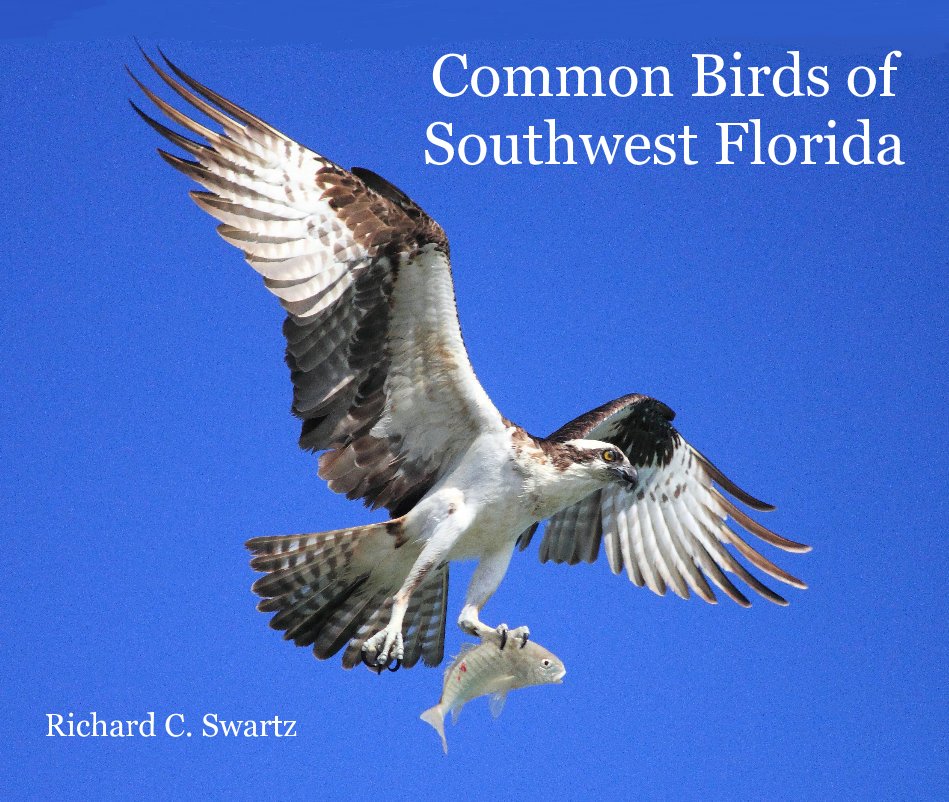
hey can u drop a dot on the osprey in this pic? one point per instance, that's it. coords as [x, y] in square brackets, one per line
[385, 389]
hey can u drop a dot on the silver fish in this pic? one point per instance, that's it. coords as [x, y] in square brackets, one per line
[492, 667]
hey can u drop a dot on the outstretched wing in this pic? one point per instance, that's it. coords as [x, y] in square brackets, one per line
[671, 532]
[380, 375]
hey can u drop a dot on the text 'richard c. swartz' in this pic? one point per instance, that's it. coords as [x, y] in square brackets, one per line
[171, 725]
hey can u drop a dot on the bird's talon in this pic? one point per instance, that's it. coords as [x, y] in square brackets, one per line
[381, 649]
[500, 632]
[398, 665]
[521, 634]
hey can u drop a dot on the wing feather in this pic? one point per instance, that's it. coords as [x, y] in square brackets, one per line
[673, 532]
[588, 544]
[381, 377]
[650, 558]
[688, 560]
[667, 553]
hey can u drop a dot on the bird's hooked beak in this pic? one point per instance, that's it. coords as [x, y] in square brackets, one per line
[627, 474]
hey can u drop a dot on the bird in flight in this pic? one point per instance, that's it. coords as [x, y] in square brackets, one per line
[385, 390]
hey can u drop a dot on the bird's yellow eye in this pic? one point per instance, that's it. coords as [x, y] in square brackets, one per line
[610, 455]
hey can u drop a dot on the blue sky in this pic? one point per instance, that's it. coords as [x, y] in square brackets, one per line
[794, 317]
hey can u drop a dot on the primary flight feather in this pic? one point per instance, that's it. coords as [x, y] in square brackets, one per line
[385, 390]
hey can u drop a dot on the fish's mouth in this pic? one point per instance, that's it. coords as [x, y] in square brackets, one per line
[559, 678]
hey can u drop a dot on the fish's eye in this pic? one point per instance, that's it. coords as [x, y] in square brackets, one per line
[545, 663]
[610, 455]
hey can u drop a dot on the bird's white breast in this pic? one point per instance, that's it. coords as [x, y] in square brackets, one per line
[498, 488]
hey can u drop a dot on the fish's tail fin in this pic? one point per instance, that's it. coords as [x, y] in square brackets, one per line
[436, 717]
[322, 585]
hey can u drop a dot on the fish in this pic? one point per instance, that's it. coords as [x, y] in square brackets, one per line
[495, 666]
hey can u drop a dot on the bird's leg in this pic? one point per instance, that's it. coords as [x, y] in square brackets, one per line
[484, 582]
[387, 645]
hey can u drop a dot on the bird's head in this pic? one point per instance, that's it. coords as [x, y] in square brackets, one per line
[601, 462]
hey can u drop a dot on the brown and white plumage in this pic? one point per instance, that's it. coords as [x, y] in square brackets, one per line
[384, 388]
[672, 532]
[380, 375]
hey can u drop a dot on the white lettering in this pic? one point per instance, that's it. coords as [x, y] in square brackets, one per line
[863, 137]
[527, 72]
[554, 138]
[437, 73]
[637, 142]
[580, 72]
[210, 722]
[55, 725]
[773, 151]
[727, 143]
[476, 81]
[442, 143]
[894, 146]
[704, 73]
[648, 73]
[794, 70]
[463, 149]
[821, 82]
[168, 728]
[852, 81]
[614, 88]
[887, 69]
[593, 153]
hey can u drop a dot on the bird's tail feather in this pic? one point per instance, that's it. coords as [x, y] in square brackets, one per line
[423, 631]
[330, 588]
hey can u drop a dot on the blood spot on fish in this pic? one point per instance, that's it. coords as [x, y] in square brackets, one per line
[464, 668]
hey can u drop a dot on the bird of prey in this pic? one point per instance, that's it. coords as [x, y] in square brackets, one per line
[385, 390]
